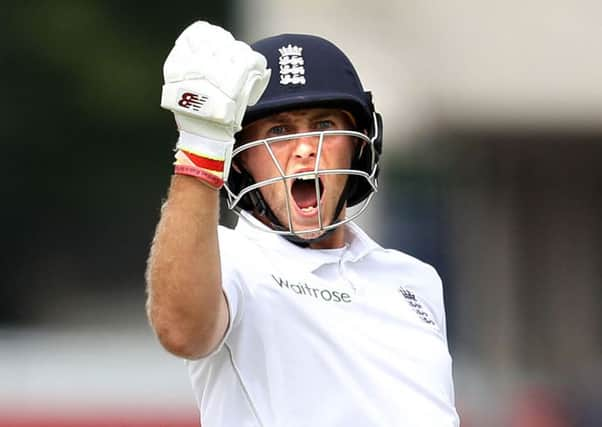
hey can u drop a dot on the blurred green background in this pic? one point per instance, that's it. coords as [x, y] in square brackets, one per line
[85, 147]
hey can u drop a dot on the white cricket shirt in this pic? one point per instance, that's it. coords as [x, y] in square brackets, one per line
[342, 337]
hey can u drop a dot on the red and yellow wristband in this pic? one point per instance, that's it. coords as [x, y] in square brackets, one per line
[203, 158]
[210, 171]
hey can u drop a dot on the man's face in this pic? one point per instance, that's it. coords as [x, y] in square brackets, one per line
[301, 155]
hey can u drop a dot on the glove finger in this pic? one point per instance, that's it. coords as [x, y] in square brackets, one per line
[239, 62]
[230, 72]
[252, 90]
[193, 52]
[258, 81]
[202, 37]
[180, 64]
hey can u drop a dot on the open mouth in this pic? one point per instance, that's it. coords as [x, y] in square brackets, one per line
[303, 191]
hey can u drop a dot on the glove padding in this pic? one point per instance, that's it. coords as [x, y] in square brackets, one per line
[210, 79]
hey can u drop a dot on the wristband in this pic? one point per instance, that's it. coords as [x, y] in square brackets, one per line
[204, 158]
[209, 171]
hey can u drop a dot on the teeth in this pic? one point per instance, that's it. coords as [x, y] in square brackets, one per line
[307, 177]
[308, 209]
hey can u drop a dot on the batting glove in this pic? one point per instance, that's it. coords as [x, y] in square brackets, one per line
[210, 79]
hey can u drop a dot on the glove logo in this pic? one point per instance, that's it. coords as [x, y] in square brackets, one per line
[192, 101]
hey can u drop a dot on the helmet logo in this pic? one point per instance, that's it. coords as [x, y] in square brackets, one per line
[291, 65]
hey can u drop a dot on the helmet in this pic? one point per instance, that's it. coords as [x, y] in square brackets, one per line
[307, 72]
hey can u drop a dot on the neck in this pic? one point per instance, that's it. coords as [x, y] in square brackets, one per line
[335, 240]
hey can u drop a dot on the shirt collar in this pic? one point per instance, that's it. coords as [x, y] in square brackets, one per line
[357, 243]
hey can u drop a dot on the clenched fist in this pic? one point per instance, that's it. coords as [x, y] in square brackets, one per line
[210, 79]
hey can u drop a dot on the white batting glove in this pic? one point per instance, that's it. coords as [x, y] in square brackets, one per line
[210, 79]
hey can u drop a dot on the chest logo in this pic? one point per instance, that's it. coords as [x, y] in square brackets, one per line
[411, 299]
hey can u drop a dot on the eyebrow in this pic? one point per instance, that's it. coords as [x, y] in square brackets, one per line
[311, 115]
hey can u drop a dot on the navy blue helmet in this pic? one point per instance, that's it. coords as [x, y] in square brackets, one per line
[309, 72]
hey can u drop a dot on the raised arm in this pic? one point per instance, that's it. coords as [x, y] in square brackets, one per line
[210, 78]
[186, 306]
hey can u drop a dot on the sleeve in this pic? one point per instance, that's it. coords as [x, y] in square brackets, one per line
[424, 280]
[442, 315]
[433, 294]
[419, 277]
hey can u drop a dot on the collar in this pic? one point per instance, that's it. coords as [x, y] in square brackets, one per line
[357, 244]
